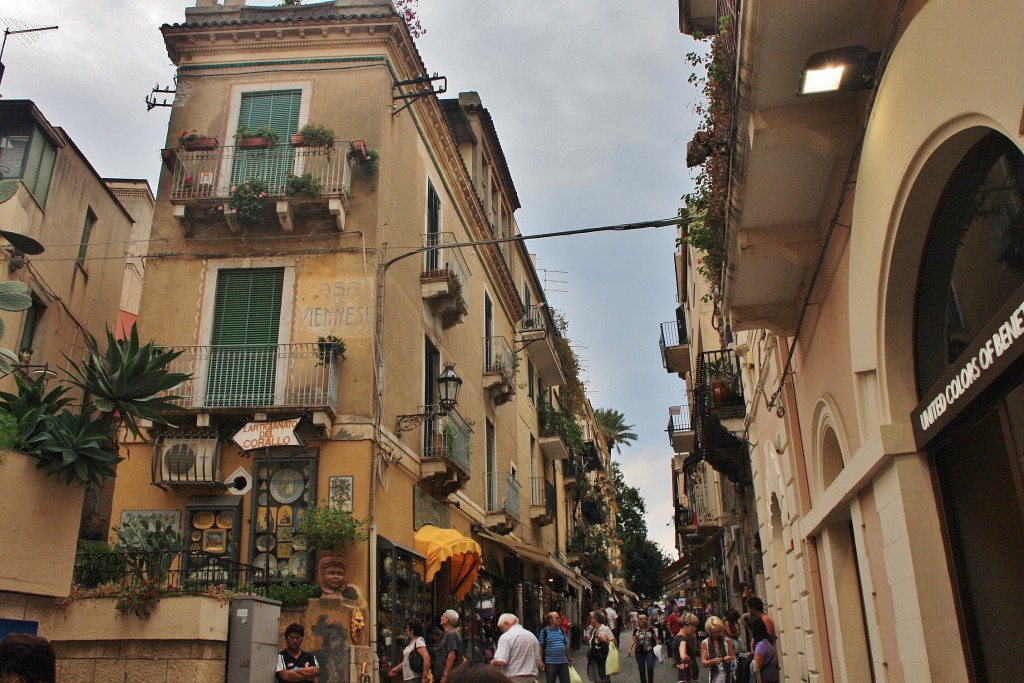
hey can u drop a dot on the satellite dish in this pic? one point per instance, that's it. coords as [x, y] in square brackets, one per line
[22, 243]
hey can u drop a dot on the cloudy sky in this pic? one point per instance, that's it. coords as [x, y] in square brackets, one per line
[591, 103]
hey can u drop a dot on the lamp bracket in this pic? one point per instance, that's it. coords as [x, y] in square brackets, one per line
[405, 423]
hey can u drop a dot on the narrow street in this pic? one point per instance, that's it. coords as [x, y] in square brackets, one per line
[663, 673]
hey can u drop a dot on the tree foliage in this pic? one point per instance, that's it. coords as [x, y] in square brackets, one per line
[642, 558]
[614, 429]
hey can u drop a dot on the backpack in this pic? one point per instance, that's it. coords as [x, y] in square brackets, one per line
[416, 661]
[742, 671]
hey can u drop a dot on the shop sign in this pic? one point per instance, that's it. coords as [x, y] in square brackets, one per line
[255, 435]
[994, 350]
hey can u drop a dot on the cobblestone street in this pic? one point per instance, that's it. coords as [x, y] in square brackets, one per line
[663, 673]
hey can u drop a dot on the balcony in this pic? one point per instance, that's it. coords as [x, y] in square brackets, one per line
[543, 502]
[244, 378]
[675, 347]
[502, 502]
[570, 473]
[553, 430]
[500, 369]
[538, 335]
[444, 465]
[680, 429]
[201, 182]
[592, 460]
[717, 398]
[443, 279]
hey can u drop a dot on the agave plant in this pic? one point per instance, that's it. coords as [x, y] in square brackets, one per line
[77, 447]
[126, 380]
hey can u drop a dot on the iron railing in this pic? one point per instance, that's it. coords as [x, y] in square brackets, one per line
[167, 571]
[210, 174]
[570, 470]
[447, 437]
[718, 393]
[673, 333]
[257, 376]
[503, 493]
[445, 261]
[542, 492]
[679, 419]
[498, 357]
[535, 319]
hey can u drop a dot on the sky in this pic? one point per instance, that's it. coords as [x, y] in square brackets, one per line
[592, 106]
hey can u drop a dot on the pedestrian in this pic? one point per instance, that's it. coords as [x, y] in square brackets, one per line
[732, 630]
[685, 649]
[450, 649]
[414, 667]
[26, 658]
[554, 642]
[766, 660]
[716, 651]
[477, 673]
[613, 620]
[294, 664]
[518, 652]
[755, 609]
[644, 640]
[600, 637]
[672, 622]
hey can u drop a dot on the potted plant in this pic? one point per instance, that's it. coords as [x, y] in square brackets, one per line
[304, 185]
[246, 201]
[261, 138]
[368, 159]
[325, 528]
[330, 347]
[314, 135]
[194, 140]
[720, 374]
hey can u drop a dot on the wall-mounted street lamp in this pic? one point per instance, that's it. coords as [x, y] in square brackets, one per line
[842, 69]
[448, 385]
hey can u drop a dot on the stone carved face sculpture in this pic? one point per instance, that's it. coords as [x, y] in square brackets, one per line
[356, 626]
[332, 574]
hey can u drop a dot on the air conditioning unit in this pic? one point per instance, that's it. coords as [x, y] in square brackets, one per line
[190, 460]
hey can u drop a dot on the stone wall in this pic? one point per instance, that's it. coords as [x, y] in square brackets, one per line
[151, 661]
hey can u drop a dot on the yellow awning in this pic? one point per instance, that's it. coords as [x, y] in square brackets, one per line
[438, 545]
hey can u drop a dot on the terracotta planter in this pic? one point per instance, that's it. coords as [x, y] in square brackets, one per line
[255, 142]
[361, 151]
[200, 144]
[299, 140]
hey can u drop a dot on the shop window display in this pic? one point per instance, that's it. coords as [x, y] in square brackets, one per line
[285, 488]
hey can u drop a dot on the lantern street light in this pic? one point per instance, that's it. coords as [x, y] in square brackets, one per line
[448, 385]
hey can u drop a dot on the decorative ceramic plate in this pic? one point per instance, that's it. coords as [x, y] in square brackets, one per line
[286, 486]
[203, 520]
[261, 563]
[263, 499]
[194, 546]
[225, 519]
[284, 516]
[265, 543]
[197, 535]
[284, 568]
[298, 543]
[298, 564]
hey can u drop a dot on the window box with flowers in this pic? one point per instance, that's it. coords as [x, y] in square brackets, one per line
[261, 138]
[314, 135]
[196, 141]
[246, 202]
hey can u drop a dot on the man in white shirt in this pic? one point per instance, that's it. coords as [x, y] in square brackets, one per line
[613, 620]
[518, 653]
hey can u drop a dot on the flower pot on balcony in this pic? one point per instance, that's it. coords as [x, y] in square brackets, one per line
[200, 144]
[360, 150]
[254, 142]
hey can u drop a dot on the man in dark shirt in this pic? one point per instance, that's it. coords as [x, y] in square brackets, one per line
[293, 664]
[450, 650]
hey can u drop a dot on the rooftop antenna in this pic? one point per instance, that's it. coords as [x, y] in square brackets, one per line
[547, 279]
[21, 30]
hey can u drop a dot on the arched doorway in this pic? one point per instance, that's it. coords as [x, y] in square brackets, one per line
[971, 275]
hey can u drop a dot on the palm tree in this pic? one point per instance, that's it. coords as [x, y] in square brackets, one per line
[614, 429]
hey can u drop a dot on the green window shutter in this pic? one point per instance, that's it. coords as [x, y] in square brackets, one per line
[278, 110]
[246, 322]
[433, 226]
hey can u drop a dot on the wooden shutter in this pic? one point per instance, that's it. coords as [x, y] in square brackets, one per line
[433, 227]
[246, 322]
[278, 110]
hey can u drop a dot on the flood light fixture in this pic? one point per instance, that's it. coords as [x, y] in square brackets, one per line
[841, 69]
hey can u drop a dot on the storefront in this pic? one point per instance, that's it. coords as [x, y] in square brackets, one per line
[968, 360]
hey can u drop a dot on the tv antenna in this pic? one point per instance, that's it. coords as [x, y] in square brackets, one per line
[24, 33]
[544, 274]
[151, 102]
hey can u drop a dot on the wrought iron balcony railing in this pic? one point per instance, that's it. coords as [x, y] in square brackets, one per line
[445, 261]
[257, 376]
[210, 174]
[675, 346]
[503, 494]
[542, 492]
[447, 437]
[168, 571]
[498, 358]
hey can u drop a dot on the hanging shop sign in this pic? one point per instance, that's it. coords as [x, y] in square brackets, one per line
[255, 435]
[994, 350]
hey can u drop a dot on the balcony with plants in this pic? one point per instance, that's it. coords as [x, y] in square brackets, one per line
[503, 512]
[543, 501]
[674, 343]
[558, 432]
[718, 403]
[271, 378]
[445, 463]
[501, 366]
[539, 335]
[442, 283]
[261, 180]
[589, 547]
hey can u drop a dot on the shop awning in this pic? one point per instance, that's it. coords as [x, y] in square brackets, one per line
[438, 545]
[622, 590]
[517, 547]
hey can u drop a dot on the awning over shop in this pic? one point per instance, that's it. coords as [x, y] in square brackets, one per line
[622, 590]
[676, 574]
[438, 545]
[597, 581]
[517, 547]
